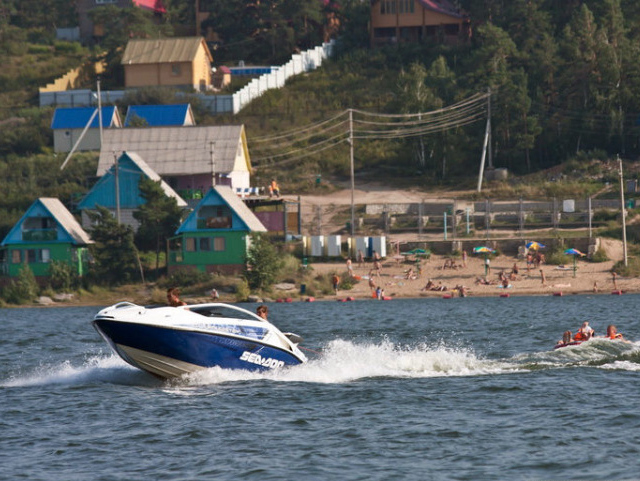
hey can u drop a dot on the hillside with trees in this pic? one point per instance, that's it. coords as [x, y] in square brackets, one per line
[563, 77]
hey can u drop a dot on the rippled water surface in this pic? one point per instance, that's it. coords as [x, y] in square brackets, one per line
[428, 389]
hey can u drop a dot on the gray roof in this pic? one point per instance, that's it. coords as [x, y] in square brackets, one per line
[240, 208]
[163, 50]
[66, 220]
[149, 172]
[175, 150]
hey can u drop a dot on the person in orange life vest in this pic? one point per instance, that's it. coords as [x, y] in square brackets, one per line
[335, 281]
[584, 333]
[275, 188]
[612, 333]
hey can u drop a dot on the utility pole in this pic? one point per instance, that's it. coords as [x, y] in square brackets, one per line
[99, 109]
[212, 153]
[624, 215]
[486, 147]
[117, 184]
[353, 184]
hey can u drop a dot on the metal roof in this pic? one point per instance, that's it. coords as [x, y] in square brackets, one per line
[163, 50]
[176, 150]
[77, 117]
[131, 166]
[161, 115]
[234, 202]
[442, 6]
[154, 5]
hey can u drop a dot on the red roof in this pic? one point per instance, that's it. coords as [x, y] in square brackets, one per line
[442, 6]
[154, 5]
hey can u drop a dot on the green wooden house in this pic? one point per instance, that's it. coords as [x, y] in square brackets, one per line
[215, 236]
[46, 232]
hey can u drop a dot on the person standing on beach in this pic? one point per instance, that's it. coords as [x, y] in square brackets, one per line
[464, 258]
[349, 267]
[542, 278]
[614, 277]
[335, 281]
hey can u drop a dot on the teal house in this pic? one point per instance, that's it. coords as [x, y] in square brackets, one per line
[46, 232]
[123, 178]
[215, 236]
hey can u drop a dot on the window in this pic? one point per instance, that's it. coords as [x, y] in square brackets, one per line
[38, 255]
[175, 69]
[205, 244]
[219, 244]
[214, 217]
[190, 244]
[16, 256]
[388, 6]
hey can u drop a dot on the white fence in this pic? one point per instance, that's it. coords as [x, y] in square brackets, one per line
[217, 104]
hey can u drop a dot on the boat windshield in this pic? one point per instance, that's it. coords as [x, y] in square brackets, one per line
[222, 310]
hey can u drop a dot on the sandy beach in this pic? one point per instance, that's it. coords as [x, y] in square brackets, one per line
[589, 277]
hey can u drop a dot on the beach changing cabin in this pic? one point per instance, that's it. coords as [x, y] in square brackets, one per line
[215, 237]
[47, 232]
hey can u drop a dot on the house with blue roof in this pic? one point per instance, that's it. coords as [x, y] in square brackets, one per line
[123, 177]
[69, 123]
[159, 116]
[47, 232]
[215, 237]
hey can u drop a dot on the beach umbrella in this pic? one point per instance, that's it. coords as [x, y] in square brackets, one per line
[535, 245]
[483, 250]
[415, 251]
[575, 253]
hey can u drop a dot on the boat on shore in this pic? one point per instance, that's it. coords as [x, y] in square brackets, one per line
[169, 342]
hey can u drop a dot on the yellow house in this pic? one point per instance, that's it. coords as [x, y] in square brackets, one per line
[394, 21]
[177, 62]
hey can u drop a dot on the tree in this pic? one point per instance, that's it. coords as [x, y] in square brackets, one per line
[114, 253]
[263, 262]
[159, 217]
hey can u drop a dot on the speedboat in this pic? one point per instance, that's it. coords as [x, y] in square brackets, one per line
[171, 341]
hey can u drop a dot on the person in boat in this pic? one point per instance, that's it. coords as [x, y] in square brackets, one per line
[612, 333]
[263, 312]
[173, 297]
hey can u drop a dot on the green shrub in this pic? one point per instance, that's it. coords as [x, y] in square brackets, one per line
[24, 289]
[600, 255]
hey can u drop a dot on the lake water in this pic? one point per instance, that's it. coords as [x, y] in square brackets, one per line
[424, 389]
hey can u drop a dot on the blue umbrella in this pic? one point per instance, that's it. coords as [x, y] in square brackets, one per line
[575, 253]
[535, 245]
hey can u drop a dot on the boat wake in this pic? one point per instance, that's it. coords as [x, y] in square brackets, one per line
[345, 361]
[600, 353]
[97, 369]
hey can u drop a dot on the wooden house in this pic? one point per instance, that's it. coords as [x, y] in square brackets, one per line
[68, 124]
[187, 158]
[177, 62]
[131, 167]
[215, 236]
[46, 232]
[90, 31]
[159, 116]
[395, 21]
